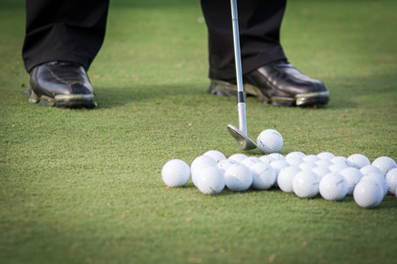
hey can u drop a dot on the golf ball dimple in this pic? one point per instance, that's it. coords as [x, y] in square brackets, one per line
[358, 161]
[215, 154]
[238, 178]
[210, 180]
[270, 141]
[175, 173]
[384, 164]
[263, 176]
[333, 187]
[368, 194]
[305, 184]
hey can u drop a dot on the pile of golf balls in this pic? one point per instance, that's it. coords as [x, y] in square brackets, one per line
[325, 174]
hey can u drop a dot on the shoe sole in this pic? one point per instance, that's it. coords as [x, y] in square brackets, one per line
[222, 88]
[63, 101]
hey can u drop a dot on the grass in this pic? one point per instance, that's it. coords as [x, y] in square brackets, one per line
[80, 186]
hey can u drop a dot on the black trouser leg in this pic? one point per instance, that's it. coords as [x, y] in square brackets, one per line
[259, 25]
[69, 30]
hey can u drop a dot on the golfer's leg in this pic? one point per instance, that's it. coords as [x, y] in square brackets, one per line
[259, 23]
[71, 30]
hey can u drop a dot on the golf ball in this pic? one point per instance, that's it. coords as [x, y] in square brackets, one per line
[210, 180]
[391, 180]
[215, 154]
[305, 184]
[239, 157]
[352, 176]
[384, 164]
[333, 187]
[359, 161]
[321, 171]
[285, 177]
[224, 164]
[270, 141]
[297, 154]
[368, 193]
[200, 163]
[238, 178]
[263, 176]
[175, 173]
[326, 155]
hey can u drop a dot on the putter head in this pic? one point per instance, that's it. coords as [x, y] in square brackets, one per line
[243, 141]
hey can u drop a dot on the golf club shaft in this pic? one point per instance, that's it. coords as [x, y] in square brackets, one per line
[239, 75]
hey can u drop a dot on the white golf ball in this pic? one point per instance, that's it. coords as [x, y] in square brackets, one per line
[311, 158]
[278, 165]
[263, 176]
[380, 179]
[285, 178]
[239, 157]
[384, 164]
[215, 154]
[307, 165]
[210, 180]
[238, 178]
[352, 176]
[225, 164]
[305, 184]
[175, 173]
[296, 154]
[266, 159]
[368, 194]
[370, 169]
[294, 161]
[324, 163]
[321, 171]
[250, 161]
[200, 163]
[341, 159]
[333, 187]
[326, 155]
[359, 160]
[391, 180]
[277, 156]
[270, 141]
[338, 167]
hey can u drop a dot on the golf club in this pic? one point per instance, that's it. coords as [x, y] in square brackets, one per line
[240, 135]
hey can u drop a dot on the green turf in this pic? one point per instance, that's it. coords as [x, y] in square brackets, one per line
[80, 186]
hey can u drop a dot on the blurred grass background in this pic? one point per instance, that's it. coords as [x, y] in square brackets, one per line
[80, 186]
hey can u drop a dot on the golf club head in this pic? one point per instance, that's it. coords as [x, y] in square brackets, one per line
[243, 141]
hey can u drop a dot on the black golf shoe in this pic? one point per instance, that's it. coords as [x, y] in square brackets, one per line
[278, 83]
[61, 84]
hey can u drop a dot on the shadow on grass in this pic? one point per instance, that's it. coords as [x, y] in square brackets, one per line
[345, 93]
[112, 97]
